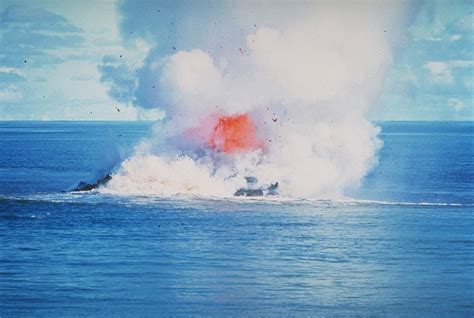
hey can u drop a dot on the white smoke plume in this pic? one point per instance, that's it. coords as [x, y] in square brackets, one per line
[305, 73]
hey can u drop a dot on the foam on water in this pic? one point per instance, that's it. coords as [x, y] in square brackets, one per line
[196, 201]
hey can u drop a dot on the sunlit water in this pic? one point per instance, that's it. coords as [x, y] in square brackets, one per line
[402, 246]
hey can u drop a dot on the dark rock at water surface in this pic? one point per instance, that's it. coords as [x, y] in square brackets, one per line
[253, 191]
[242, 192]
[84, 186]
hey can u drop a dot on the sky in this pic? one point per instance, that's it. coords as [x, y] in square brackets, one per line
[96, 60]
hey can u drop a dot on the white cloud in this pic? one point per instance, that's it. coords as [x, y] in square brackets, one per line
[433, 38]
[153, 114]
[407, 75]
[440, 72]
[457, 104]
[65, 82]
[461, 63]
[455, 37]
[10, 94]
[11, 70]
[451, 38]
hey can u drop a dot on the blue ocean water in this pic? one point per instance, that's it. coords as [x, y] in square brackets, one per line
[404, 246]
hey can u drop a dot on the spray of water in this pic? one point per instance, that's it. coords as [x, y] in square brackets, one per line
[286, 102]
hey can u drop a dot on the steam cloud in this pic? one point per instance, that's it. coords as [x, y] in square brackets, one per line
[306, 74]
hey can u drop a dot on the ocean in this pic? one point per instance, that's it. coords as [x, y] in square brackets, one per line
[401, 244]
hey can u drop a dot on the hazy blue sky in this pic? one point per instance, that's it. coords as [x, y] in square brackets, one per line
[85, 59]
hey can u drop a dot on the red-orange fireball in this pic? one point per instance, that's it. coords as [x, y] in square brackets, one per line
[234, 133]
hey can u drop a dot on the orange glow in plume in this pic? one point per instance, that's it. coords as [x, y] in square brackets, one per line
[234, 133]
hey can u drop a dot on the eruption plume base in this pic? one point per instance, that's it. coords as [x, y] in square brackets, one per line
[162, 176]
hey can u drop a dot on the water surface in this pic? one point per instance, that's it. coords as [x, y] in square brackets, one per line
[403, 246]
